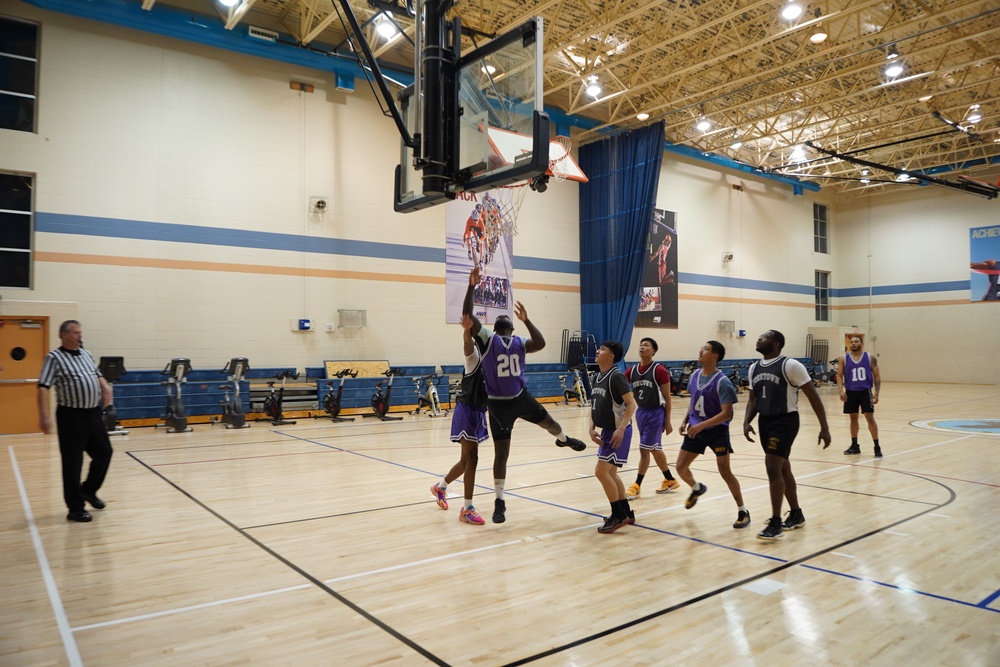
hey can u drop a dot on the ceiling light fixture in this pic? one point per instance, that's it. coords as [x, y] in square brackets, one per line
[866, 181]
[903, 178]
[737, 145]
[819, 34]
[894, 70]
[642, 115]
[891, 52]
[704, 125]
[229, 3]
[925, 98]
[865, 172]
[386, 27]
[593, 87]
[791, 11]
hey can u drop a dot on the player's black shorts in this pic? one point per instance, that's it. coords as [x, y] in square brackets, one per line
[715, 438]
[860, 398]
[505, 411]
[777, 433]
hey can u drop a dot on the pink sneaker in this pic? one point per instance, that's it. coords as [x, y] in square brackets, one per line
[470, 515]
[439, 496]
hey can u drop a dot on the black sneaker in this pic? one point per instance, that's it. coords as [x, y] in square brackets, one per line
[772, 531]
[630, 519]
[794, 519]
[577, 445]
[499, 509]
[878, 452]
[853, 449]
[83, 516]
[693, 498]
[612, 523]
[95, 502]
[742, 519]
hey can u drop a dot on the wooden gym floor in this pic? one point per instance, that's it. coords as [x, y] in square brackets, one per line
[319, 544]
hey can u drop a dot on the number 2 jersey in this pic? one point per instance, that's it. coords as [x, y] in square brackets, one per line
[503, 364]
[646, 384]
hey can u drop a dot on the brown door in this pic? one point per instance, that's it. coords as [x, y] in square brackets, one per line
[23, 346]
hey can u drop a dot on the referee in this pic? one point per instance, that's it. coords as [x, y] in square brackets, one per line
[80, 393]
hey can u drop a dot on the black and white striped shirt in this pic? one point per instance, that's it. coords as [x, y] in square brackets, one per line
[74, 375]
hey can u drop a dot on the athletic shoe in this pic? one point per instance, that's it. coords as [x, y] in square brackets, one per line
[668, 486]
[632, 492]
[499, 511]
[772, 531]
[630, 519]
[611, 524]
[794, 519]
[439, 496]
[577, 445]
[742, 519]
[470, 515]
[693, 498]
[82, 516]
[878, 454]
[853, 449]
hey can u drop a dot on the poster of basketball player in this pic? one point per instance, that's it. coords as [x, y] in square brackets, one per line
[658, 301]
[984, 263]
[474, 235]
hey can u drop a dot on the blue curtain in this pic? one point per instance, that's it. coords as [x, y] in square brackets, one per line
[616, 209]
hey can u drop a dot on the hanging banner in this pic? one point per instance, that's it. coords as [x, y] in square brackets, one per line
[984, 263]
[658, 302]
[475, 234]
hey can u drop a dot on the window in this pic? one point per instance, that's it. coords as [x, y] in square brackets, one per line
[18, 74]
[822, 296]
[819, 229]
[16, 224]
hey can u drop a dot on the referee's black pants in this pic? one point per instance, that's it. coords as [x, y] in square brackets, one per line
[82, 430]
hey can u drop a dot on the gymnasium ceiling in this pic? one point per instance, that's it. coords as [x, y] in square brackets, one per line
[760, 81]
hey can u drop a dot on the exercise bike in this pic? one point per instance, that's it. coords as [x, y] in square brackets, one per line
[382, 396]
[275, 397]
[427, 395]
[332, 401]
[679, 384]
[739, 382]
[112, 368]
[232, 405]
[177, 371]
[578, 392]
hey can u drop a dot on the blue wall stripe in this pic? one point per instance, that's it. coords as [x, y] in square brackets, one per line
[57, 223]
[913, 288]
[739, 283]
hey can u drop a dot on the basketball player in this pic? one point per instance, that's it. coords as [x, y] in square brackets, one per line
[989, 267]
[660, 257]
[611, 410]
[706, 425]
[651, 388]
[508, 395]
[859, 382]
[775, 382]
[468, 428]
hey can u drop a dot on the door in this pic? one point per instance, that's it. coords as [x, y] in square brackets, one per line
[23, 346]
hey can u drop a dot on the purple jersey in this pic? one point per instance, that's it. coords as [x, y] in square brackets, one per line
[706, 400]
[857, 374]
[503, 366]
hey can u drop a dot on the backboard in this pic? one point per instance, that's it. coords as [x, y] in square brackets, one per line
[489, 96]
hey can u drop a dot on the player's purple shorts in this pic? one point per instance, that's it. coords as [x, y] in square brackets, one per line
[650, 423]
[468, 423]
[616, 456]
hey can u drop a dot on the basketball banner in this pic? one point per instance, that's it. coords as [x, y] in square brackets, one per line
[476, 233]
[658, 302]
[984, 263]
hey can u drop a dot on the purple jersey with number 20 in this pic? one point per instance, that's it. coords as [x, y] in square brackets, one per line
[503, 366]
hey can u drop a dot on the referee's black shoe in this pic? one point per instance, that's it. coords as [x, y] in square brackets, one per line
[82, 516]
[95, 502]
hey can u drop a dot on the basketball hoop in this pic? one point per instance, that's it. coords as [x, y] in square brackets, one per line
[503, 208]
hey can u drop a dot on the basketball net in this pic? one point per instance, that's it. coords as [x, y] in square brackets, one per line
[504, 206]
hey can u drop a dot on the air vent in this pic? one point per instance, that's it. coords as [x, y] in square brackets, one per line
[261, 33]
